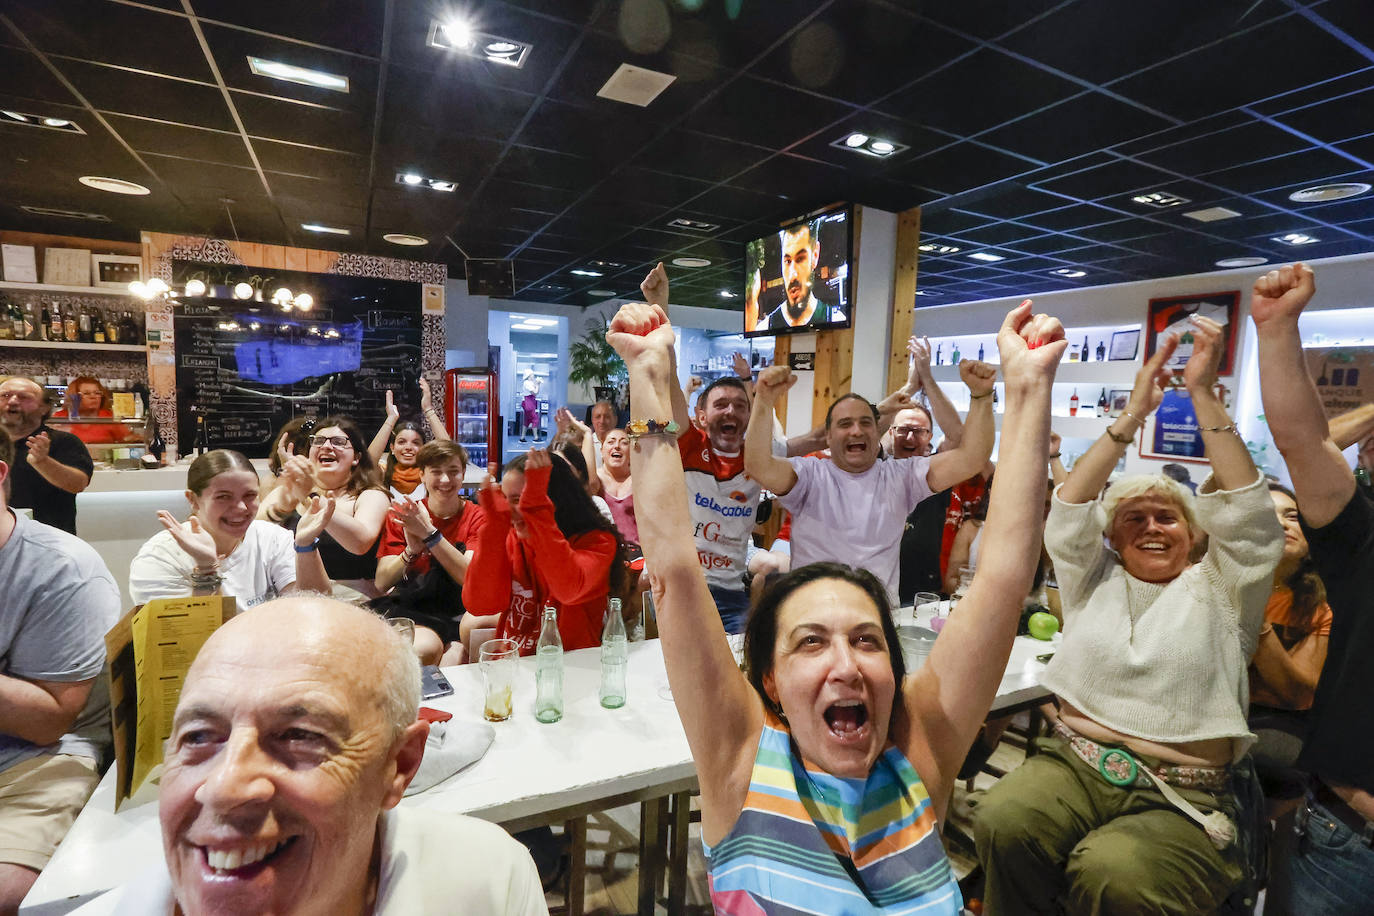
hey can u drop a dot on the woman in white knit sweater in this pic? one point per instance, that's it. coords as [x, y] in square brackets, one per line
[1122, 811]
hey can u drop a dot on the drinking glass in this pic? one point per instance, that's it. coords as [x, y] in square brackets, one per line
[496, 658]
[924, 598]
[405, 626]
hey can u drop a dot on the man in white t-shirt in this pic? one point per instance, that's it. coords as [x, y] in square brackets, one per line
[282, 775]
[852, 508]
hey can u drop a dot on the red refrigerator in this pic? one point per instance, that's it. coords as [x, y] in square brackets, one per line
[470, 402]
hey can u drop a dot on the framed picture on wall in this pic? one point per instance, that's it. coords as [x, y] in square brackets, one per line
[1117, 399]
[1172, 314]
[1125, 344]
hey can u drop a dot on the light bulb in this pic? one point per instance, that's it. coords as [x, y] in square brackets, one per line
[139, 289]
[243, 290]
[195, 287]
[303, 301]
[281, 295]
[156, 285]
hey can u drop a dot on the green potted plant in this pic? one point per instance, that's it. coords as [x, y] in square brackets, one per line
[592, 361]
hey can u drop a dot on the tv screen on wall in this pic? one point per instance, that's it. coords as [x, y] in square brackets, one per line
[798, 279]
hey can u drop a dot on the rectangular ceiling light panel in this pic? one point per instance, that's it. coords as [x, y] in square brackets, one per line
[278, 70]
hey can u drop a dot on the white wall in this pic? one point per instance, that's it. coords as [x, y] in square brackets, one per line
[876, 248]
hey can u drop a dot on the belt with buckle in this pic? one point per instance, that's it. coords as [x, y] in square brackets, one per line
[1121, 768]
[1341, 811]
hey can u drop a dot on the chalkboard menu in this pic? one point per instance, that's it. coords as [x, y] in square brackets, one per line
[247, 367]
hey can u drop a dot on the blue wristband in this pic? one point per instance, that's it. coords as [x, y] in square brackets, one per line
[309, 548]
[434, 537]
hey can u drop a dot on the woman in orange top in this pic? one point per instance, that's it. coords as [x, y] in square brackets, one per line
[87, 399]
[1289, 658]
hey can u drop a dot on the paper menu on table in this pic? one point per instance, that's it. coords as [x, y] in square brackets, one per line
[150, 650]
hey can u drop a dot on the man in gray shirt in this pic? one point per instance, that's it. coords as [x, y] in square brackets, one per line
[57, 602]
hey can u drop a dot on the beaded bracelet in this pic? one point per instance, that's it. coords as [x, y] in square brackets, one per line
[1229, 428]
[1119, 440]
[639, 428]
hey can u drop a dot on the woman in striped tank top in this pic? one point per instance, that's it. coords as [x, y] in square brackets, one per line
[824, 774]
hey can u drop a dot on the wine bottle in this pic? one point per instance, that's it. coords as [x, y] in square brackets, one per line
[1102, 405]
[155, 444]
[97, 327]
[937, 353]
[1083, 354]
[45, 324]
[83, 326]
[548, 670]
[202, 436]
[1073, 404]
[1101, 351]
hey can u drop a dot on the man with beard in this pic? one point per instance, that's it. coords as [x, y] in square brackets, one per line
[852, 507]
[50, 466]
[801, 250]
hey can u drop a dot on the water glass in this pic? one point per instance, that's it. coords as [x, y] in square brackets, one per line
[925, 598]
[496, 659]
[405, 626]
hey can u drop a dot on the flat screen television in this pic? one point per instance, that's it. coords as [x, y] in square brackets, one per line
[798, 279]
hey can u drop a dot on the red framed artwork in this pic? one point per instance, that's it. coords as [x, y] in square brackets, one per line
[1170, 314]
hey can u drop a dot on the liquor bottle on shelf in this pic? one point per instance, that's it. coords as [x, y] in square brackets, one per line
[994, 399]
[155, 444]
[128, 328]
[71, 328]
[954, 354]
[6, 322]
[45, 324]
[55, 331]
[1073, 404]
[1101, 351]
[1102, 403]
[112, 328]
[548, 670]
[980, 352]
[202, 436]
[937, 353]
[97, 327]
[1083, 354]
[83, 325]
[31, 322]
[615, 658]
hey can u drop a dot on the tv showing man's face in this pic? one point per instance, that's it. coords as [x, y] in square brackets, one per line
[799, 253]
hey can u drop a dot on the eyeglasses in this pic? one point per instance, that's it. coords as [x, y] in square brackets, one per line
[336, 441]
[910, 431]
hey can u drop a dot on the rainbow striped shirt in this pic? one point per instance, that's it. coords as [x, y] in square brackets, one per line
[809, 842]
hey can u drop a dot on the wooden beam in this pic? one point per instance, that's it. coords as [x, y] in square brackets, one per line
[781, 349]
[903, 294]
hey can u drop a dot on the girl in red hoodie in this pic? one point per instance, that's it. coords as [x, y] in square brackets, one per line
[544, 543]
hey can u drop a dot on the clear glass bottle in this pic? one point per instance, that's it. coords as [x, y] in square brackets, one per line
[548, 669]
[615, 658]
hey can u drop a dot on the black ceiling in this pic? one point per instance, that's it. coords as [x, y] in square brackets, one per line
[1030, 125]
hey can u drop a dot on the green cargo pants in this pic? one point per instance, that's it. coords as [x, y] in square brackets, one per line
[1054, 836]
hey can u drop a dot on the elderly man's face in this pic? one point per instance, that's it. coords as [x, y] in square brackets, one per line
[603, 419]
[911, 433]
[21, 406]
[278, 766]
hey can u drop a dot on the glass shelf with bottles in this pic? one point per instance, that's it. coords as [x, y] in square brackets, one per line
[1080, 411]
[52, 324]
[1086, 359]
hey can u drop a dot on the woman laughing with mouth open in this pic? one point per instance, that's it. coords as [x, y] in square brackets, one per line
[824, 771]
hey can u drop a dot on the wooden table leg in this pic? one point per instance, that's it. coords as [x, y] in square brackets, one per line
[677, 856]
[576, 830]
[652, 817]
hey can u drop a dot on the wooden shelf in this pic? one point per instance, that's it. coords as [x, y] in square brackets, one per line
[52, 288]
[64, 345]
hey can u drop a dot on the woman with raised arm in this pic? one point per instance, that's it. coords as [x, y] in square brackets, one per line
[396, 447]
[825, 770]
[223, 549]
[1130, 808]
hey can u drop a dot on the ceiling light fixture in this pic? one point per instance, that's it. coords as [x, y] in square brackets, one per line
[113, 185]
[279, 70]
[1296, 238]
[1161, 200]
[195, 287]
[601, 292]
[635, 85]
[549, 288]
[414, 180]
[66, 214]
[579, 272]
[692, 225]
[986, 256]
[1328, 192]
[1241, 262]
[1068, 272]
[8, 116]
[691, 262]
[1212, 214]
[727, 294]
[437, 184]
[935, 248]
[605, 265]
[330, 230]
[401, 238]
[857, 142]
[459, 36]
[409, 178]
[928, 292]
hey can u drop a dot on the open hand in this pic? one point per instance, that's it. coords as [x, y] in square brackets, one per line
[537, 458]
[393, 413]
[772, 382]
[314, 519]
[1200, 374]
[741, 366]
[694, 385]
[195, 540]
[919, 350]
[1152, 379]
[38, 448]
[426, 396]
[413, 516]
[1030, 346]
[639, 331]
[1282, 294]
[655, 286]
[978, 376]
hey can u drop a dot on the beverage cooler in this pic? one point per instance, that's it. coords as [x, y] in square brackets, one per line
[471, 406]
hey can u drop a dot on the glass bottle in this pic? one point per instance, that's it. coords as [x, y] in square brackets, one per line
[55, 327]
[615, 658]
[128, 330]
[71, 329]
[980, 353]
[202, 436]
[44, 324]
[6, 322]
[1101, 350]
[112, 328]
[83, 325]
[954, 354]
[155, 444]
[937, 353]
[548, 669]
[1083, 354]
[1073, 404]
[1102, 406]
[98, 327]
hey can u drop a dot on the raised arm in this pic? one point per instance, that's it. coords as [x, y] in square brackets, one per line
[655, 290]
[1232, 466]
[947, 699]
[944, 412]
[721, 715]
[377, 447]
[436, 423]
[1352, 426]
[1058, 473]
[1093, 467]
[979, 433]
[760, 463]
[1322, 481]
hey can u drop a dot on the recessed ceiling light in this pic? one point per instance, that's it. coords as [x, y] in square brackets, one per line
[410, 178]
[1159, 199]
[415, 180]
[857, 142]
[279, 70]
[401, 238]
[1296, 238]
[456, 35]
[934, 248]
[113, 185]
[330, 230]
[605, 265]
[8, 116]
[882, 146]
[693, 225]
[437, 184]
[1241, 262]
[856, 139]
[1325, 192]
[66, 214]
[928, 292]
[728, 294]
[691, 262]
[1068, 272]
[635, 85]
[986, 256]
[1212, 214]
[601, 292]
[580, 272]
[549, 288]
